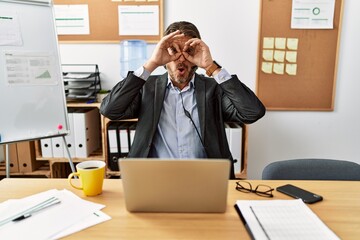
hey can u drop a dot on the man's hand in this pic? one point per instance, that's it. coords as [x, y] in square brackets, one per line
[197, 52]
[166, 50]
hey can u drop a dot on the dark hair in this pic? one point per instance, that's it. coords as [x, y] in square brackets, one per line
[187, 28]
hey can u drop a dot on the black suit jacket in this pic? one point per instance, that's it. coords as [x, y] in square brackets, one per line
[230, 101]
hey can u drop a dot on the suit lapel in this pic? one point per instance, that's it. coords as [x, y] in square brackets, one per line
[200, 90]
[160, 85]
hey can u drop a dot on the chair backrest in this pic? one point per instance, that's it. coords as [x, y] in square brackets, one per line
[312, 169]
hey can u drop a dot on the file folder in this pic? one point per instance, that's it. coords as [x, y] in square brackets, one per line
[235, 144]
[87, 131]
[70, 137]
[124, 138]
[57, 147]
[120, 137]
[46, 148]
[26, 157]
[13, 155]
[132, 130]
[113, 146]
[227, 131]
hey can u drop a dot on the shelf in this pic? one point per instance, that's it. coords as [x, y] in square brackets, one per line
[82, 104]
[59, 166]
[43, 171]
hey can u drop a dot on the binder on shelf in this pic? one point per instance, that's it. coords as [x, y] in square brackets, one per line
[113, 146]
[87, 131]
[57, 147]
[124, 138]
[70, 138]
[120, 138]
[46, 147]
[227, 131]
[13, 161]
[132, 130]
[26, 157]
[234, 132]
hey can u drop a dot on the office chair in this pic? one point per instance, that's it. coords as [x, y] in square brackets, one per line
[312, 169]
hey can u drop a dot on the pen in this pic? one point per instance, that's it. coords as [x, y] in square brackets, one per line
[27, 213]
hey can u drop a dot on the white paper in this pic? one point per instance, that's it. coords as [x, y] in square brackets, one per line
[10, 33]
[91, 220]
[312, 14]
[283, 219]
[138, 20]
[72, 19]
[58, 220]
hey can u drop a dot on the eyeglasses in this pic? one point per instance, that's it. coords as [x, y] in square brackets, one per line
[261, 190]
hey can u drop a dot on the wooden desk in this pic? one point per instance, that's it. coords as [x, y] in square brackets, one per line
[340, 210]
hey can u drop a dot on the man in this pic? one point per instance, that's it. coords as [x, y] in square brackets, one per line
[181, 114]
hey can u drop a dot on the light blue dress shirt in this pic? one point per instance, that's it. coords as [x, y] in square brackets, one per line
[176, 136]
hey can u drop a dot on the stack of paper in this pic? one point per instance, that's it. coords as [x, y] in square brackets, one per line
[72, 214]
[282, 219]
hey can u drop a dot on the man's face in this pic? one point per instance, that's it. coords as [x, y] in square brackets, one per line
[181, 70]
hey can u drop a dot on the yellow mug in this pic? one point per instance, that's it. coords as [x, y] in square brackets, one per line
[91, 175]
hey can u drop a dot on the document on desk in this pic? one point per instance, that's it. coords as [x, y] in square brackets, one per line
[282, 219]
[70, 215]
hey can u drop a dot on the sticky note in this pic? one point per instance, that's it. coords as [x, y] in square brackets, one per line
[268, 42]
[268, 55]
[291, 69]
[279, 68]
[266, 67]
[279, 56]
[292, 43]
[291, 56]
[280, 43]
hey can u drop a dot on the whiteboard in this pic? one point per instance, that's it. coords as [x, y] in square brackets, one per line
[32, 97]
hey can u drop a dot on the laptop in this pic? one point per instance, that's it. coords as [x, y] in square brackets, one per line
[175, 185]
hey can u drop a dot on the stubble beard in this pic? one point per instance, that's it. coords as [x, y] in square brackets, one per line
[181, 79]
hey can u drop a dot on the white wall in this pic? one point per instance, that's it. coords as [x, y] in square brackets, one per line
[230, 28]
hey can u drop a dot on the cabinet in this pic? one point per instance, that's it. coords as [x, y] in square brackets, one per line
[56, 167]
[59, 167]
[23, 161]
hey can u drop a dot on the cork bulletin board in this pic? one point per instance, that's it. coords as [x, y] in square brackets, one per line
[104, 21]
[306, 78]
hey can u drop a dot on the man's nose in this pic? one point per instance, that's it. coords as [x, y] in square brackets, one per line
[181, 58]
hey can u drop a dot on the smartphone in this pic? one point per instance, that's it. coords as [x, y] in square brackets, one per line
[296, 192]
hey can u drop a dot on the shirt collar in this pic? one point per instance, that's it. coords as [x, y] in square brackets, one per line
[191, 83]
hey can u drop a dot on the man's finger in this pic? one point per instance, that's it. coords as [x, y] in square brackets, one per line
[193, 41]
[177, 47]
[170, 35]
[188, 57]
[175, 56]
